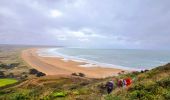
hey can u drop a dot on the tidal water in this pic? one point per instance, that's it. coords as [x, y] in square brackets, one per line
[119, 58]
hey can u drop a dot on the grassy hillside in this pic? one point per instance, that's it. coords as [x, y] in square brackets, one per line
[151, 85]
[11, 62]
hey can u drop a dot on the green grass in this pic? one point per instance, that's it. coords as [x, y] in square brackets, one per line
[151, 85]
[59, 94]
[7, 81]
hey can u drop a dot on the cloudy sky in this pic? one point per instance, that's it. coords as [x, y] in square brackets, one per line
[86, 23]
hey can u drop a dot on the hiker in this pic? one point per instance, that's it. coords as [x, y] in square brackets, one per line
[128, 81]
[120, 83]
[109, 86]
[124, 83]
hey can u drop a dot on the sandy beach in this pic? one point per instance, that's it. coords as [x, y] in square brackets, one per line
[57, 66]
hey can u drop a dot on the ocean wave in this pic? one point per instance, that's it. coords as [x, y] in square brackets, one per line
[52, 52]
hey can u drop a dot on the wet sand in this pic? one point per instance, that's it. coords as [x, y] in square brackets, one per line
[57, 66]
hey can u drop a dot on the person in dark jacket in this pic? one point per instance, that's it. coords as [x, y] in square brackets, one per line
[124, 83]
[109, 86]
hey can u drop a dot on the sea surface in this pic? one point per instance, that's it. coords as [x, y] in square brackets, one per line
[114, 58]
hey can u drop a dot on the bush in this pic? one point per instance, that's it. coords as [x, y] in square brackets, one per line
[167, 96]
[81, 75]
[84, 83]
[59, 94]
[3, 66]
[14, 64]
[112, 97]
[74, 74]
[23, 76]
[8, 66]
[46, 98]
[138, 94]
[76, 93]
[2, 75]
[165, 83]
[36, 72]
[137, 87]
[84, 91]
[33, 71]
[20, 96]
[10, 75]
[39, 74]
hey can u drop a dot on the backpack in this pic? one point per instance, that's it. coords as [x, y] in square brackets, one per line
[110, 85]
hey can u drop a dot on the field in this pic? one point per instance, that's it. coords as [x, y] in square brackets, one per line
[6, 81]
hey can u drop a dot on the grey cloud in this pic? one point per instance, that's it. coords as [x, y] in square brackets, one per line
[123, 23]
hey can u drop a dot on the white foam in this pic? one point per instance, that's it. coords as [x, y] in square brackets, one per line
[52, 52]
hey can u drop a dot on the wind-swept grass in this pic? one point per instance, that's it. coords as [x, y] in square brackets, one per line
[150, 85]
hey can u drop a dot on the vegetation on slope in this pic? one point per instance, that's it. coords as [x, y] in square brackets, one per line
[11, 65]
[150, 85]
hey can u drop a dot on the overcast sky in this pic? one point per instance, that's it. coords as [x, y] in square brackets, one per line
[86, 23]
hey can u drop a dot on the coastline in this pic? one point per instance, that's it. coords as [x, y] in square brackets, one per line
[51, 52]
[57, 66]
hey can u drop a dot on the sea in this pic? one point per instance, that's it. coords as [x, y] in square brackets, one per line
[128, 59]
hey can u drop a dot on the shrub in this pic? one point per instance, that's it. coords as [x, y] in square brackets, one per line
[164, 83]
[39, 74]
[167, 96]
[84, 91]
[76, 93]
[10, 75]
[84, 83]
[33, 71]
[146, 70]
[81, 75]
[123, 71]
[101, 88]
[137, 87]
[8, 66]
[112, 97]
[59, 94]
[74, 74]
[23, 76]
[138, 94]
[20, 96]
[46, 98]
[14, 64]
[3, 66]
[2, 75]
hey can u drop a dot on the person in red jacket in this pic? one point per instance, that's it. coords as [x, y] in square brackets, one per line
[128, 81]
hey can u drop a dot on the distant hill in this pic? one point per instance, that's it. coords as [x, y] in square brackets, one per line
[150, 85]
[27, 46]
